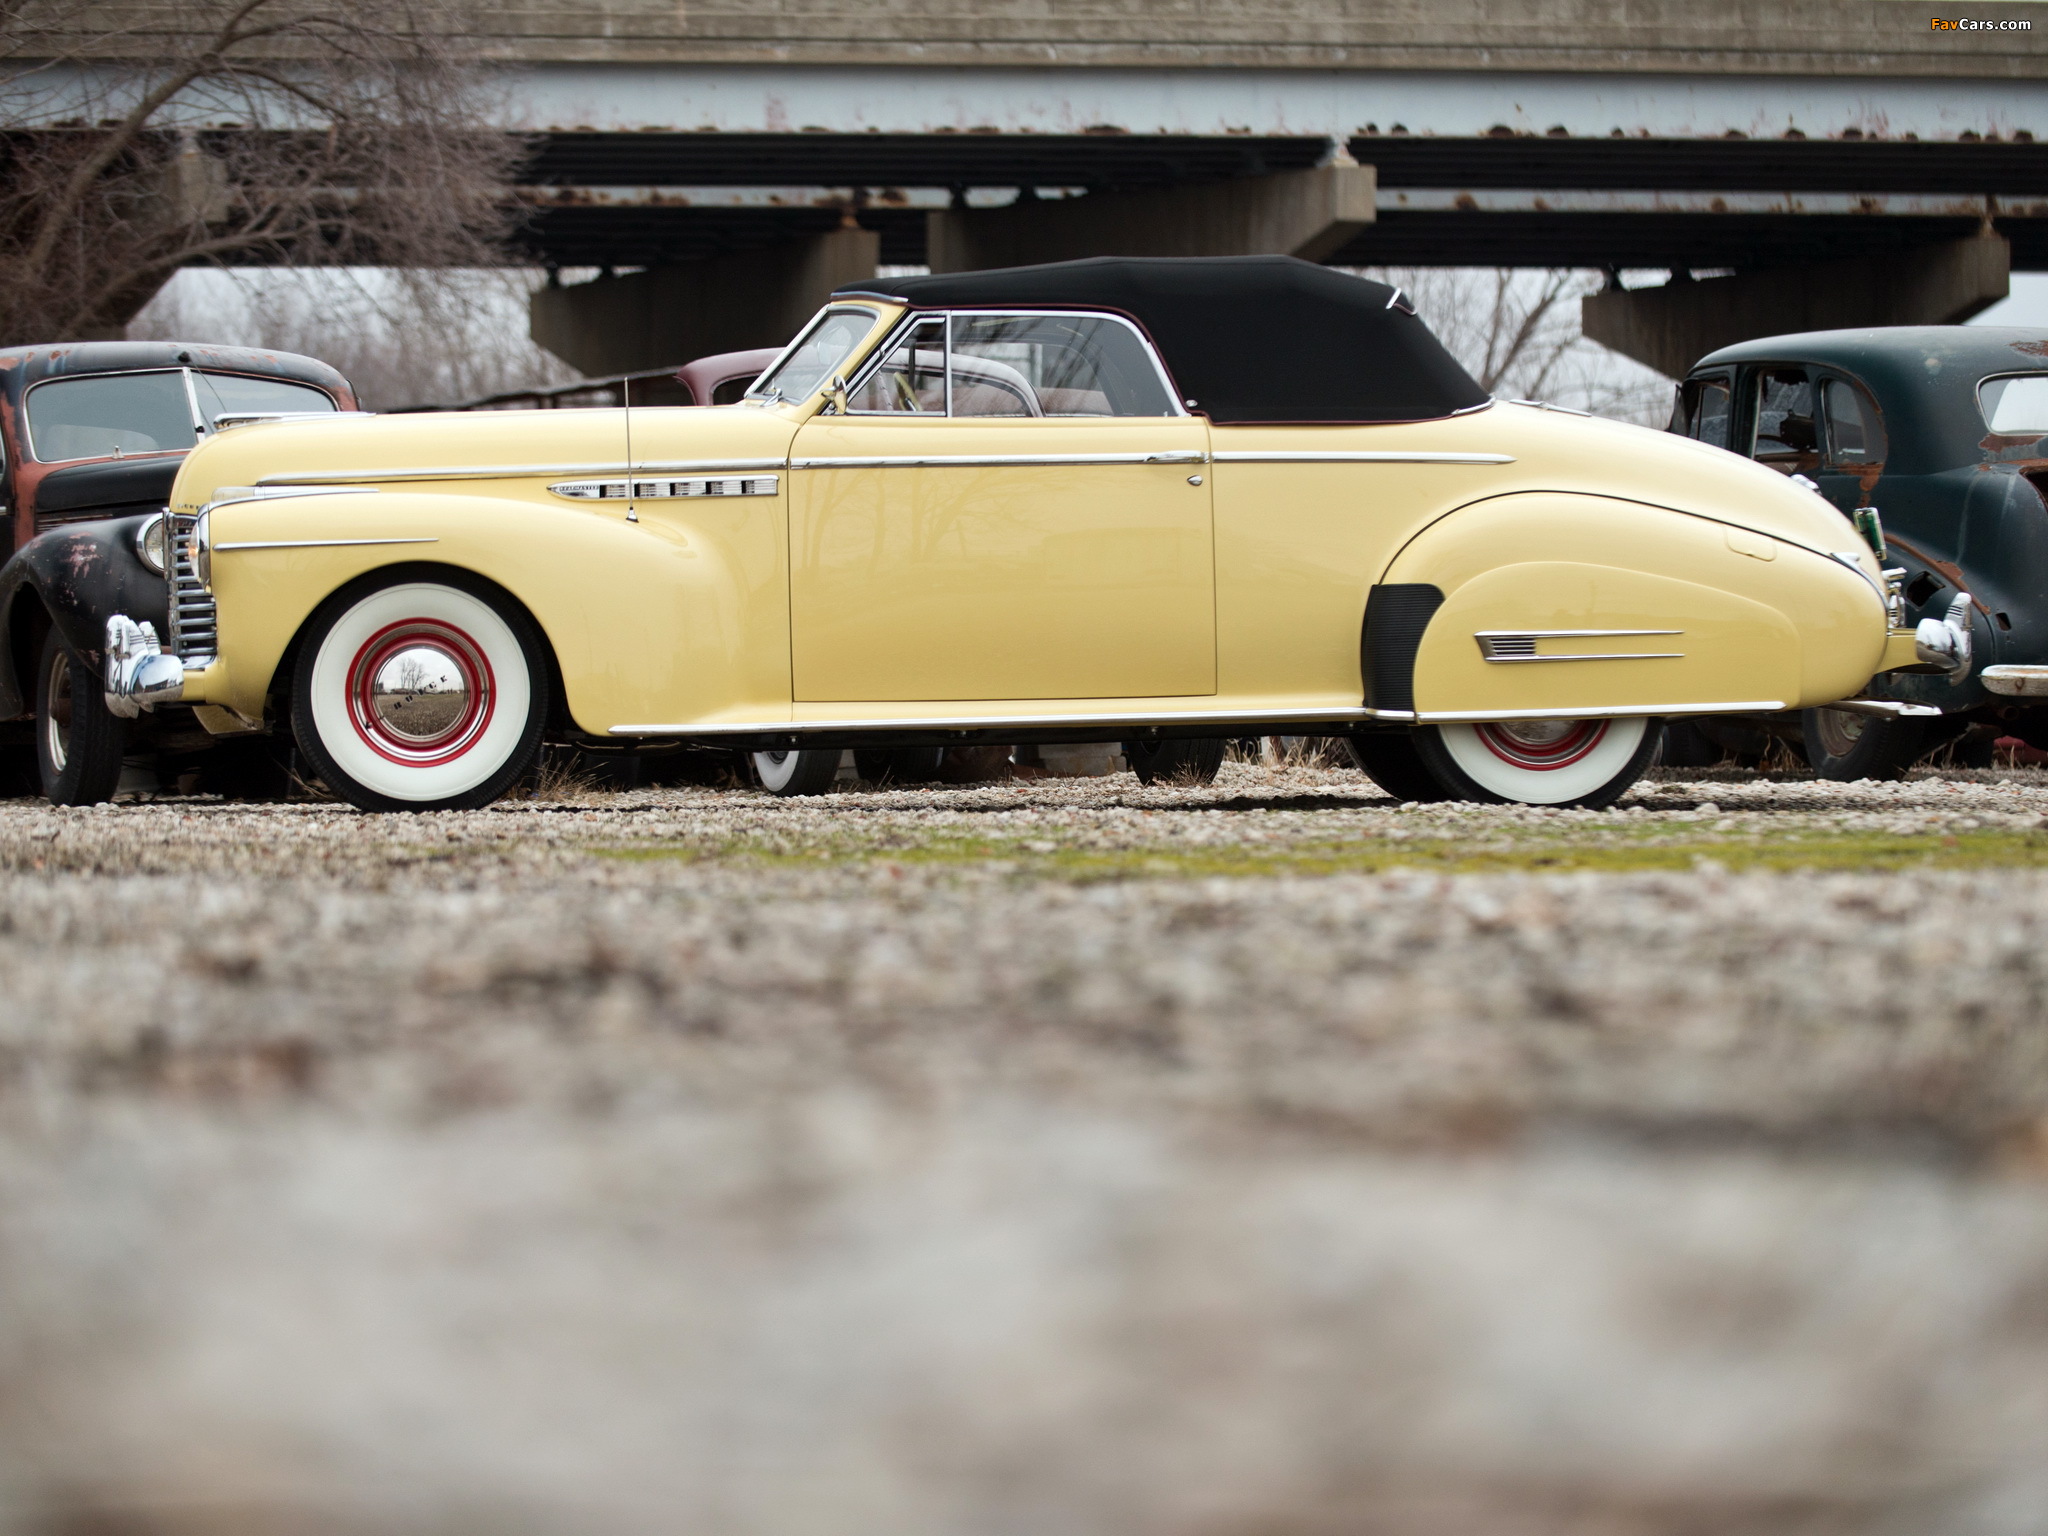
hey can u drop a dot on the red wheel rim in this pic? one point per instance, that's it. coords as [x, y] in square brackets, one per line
[452, 692]
[1542, 746]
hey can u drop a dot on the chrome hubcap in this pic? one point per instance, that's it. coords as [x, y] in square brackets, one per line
[420, 693]
[1542, 745]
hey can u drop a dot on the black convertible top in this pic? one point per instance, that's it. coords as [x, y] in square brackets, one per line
[1247, 338]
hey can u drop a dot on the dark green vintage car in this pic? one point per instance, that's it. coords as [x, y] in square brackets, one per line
[1944, 431]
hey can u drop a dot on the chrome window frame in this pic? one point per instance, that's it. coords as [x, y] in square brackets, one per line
[1977, 390]
[201, 428]
[887, 346]
[802, 336]
[886, 349]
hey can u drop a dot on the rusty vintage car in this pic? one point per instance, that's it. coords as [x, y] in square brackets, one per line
[93, 435]
[1936, 438]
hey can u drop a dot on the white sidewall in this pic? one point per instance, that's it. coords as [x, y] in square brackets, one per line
[395, 605]
[1544, 786]
[776, 769]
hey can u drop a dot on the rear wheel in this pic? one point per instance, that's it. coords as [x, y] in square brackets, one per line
[1193, 761]
[420, 695]
[79, 741]
[1390, 760]
[1587, 763]
[797, 773]
[1844, 746]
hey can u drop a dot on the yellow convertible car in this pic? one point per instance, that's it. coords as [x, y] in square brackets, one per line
[1148, 501]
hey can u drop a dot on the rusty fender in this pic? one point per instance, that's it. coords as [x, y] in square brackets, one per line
[78, 576]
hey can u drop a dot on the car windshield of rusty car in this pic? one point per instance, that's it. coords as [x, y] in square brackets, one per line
[2015, 406]
[813, 357]
[152, 412]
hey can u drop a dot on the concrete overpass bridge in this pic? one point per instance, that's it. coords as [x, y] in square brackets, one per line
[1841, 161]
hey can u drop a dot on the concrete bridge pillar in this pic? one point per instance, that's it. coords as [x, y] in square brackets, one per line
[756, 298]
[1309, 214]
[1672, 327]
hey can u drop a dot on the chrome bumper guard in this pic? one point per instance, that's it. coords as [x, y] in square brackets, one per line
[1945, 642]
[138, 674]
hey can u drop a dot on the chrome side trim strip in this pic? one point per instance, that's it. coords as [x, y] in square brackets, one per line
[666, 489]
[1606, 656]
[1565, 634]
[1200, 716]
[984, 722]
[523, 471]
[229, 495]
[1361, 456]
[1510, 645]
[221, 549]
[1618, 712]
[976, 460]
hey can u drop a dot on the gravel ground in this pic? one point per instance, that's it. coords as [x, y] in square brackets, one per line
[1064, 1156]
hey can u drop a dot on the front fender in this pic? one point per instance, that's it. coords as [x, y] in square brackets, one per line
[1725, 616]
[78, 575]
[681, 615]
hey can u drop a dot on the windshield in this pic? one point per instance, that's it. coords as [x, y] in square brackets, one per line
[2016, 406]
[230, 394]
[816, 354]
[112, 414]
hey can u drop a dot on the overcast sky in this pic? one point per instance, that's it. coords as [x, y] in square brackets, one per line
[2027, 304]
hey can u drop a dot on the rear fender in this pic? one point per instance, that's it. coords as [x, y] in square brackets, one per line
[74, 577]
[1730, 617]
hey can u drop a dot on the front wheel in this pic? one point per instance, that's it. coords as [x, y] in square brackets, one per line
[79, 741]
[1583, 763]
[421, 695]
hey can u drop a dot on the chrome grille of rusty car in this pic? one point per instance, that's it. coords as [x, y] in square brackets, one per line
[195, 628]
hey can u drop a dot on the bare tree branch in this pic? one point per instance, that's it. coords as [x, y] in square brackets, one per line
[313, 132]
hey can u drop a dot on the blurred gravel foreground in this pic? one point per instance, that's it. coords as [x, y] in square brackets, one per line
[1042, 1159]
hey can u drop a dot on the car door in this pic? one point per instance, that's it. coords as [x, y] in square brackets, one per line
[1852, 443]
[1012, 506]
[1782, 419]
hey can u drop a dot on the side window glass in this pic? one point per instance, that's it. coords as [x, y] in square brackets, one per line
[1855, 433]
[1787, 437]
[1053, 365]
[912, 378]
[1706, 411]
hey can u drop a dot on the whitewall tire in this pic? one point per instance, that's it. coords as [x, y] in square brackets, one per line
[1587, 763]
[424, 694]
[797, 773]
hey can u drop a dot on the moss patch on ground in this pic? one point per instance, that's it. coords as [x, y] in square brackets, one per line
[1601, 849]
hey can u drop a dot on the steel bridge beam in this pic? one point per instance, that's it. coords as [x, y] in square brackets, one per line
[672, 314]
[1672, 327]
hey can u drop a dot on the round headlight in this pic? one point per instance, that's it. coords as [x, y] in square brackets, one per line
[202, 550]
[153, 543]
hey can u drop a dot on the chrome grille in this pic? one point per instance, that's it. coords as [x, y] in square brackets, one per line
[195, 630]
